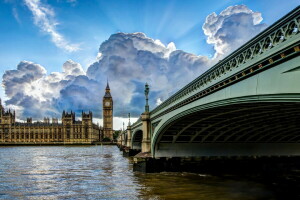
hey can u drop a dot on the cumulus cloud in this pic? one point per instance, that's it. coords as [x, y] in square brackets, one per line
[231, 28]
[34, 93]
[26, 74]
[72, 68]
[131, 59]
[127, 60]
[158, 101]
[43, 16]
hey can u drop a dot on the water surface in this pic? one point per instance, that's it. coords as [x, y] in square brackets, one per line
[101, 172]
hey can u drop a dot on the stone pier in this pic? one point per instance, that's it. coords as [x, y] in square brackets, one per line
[263, 165]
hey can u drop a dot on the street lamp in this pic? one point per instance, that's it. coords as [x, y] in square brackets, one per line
[146, 95]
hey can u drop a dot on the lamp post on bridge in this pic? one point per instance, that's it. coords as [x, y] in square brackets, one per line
[146, 147]
[129, 119]
[128, 144]
[146, 95]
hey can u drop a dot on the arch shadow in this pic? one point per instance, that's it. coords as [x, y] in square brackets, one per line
[137, 138]
[231, 128]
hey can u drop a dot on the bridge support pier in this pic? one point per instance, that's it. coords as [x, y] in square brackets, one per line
[146, 142]
[128, 152]
[128, 142]
[122, 143]
[245, 165]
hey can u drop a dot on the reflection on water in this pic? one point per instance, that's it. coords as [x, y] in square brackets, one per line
[88, 172]
[194, 186]
[96, 172]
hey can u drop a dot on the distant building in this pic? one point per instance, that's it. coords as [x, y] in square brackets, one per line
[69, 131]
[107, 114]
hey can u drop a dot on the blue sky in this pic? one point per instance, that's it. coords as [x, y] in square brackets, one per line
[85, 25]
[89, 23]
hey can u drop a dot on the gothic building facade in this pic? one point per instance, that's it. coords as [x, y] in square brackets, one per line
[69, 131]
[107, 114]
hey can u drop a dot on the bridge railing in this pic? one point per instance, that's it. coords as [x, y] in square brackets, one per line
[261, 46]
[281, 31]
[137, 123]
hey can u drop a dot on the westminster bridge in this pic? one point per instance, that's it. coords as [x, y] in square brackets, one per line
[248, 104]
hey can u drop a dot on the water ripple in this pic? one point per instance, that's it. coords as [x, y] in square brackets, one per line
[95, 172]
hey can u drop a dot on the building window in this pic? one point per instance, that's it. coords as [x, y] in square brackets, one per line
[68, 133]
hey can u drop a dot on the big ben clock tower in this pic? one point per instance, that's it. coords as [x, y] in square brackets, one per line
[108, 114]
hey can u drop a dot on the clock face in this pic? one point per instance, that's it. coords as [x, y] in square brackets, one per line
[107, 103]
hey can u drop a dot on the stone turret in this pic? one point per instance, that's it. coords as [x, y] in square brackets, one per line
[87, 118]
[68, 118]
[54, 121]
[7, 117]
[29, 120]
[46, 120]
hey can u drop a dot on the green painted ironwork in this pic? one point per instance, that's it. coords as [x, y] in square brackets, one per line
[271, 55]
[277, 37]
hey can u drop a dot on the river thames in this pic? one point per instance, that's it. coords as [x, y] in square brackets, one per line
[101, 172]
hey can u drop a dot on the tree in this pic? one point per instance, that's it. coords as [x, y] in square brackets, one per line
[116, 134]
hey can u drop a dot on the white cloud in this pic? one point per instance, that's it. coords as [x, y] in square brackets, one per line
[158, 101]
[231, 28]
[44, 18]
[37, 94]
[131, 59]
[16, 15]
[99, 55]
[118, 122]
[128, 60]
[72, 68]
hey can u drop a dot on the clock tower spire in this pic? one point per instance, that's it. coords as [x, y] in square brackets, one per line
[108, 114]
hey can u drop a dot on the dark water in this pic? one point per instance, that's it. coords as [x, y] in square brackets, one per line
[101, 172]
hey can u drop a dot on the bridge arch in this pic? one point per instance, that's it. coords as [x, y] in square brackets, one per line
[256, 125]
[136, 141]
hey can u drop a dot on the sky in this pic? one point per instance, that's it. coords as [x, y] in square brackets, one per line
[58, 54]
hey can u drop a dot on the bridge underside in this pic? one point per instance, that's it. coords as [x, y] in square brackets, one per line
[137, 140]
[269, 128]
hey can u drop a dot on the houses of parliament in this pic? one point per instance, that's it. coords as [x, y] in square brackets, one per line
[68, 131]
